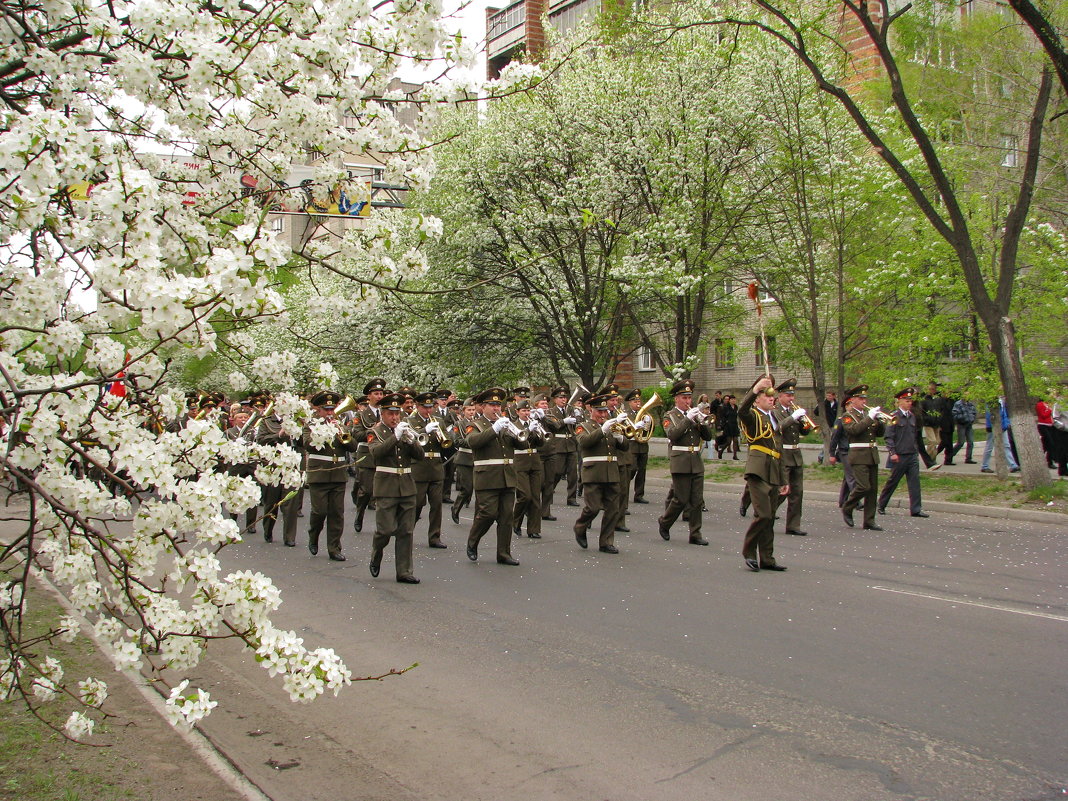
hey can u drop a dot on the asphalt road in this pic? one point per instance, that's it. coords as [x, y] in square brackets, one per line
[927, 661]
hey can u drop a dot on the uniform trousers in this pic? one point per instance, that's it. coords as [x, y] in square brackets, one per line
[366, 495]
[601, 497]
[327, 506]
[687, 493]
[848, 482]
[272, 497]
[548, 481]
[290, 512]
[394, 517]
[907, 466]
[795, 477]
[528, 500]
[641, 463]
[465, 477]
[493, 505]
[450, 477]
[759, 540]
[429, 493]
[626, 471]
[866, 489]
[567, 467]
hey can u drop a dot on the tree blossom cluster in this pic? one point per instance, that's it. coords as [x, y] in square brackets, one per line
[127, 244]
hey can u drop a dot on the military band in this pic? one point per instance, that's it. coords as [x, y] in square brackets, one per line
[686, 428]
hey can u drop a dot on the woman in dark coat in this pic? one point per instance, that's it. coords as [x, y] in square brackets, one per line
[727, 422]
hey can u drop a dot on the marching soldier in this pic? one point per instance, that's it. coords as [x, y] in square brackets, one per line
[547, 453]
[393, 447]
[327, 474]
[600, 447]
[639, 451]
[792, 426]
[905, 448]
[445, 413]
[239, 420]
[528, 472]
[428, 472]
[687, 428]
[765, 477]
[562, 421]
[365, 420]
[626, 459]
[492, 440]
[464, 461]
[518, 394]
[862, 427]
[279, 499]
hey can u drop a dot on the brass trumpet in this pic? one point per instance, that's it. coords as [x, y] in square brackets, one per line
[883, 416]
[808, 421]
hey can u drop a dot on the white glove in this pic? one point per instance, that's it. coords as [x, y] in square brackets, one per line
[401, 430]
[622, 417]
[570, 420]
[500, 424]
[694, 414]
[535, 427]
[538, 414]
[620, 438]
[874, 413]
[644, 424]
[432, 426]
[798, 413]
[606, 426]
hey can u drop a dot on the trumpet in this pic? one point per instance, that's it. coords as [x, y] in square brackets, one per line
[521, 434]
[646, 433]
[808, 421]
[881, 415]
[256, 420]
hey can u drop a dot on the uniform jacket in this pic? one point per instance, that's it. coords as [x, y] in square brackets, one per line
[599, 453]
[527, 456]
[493, 455]
[392, 461]
[861, 430]
[791, 431]
[635, 446]
[563, 433]
[361, 426]
[765, 443]
[431, 467]
[330, 462]
[904, 436]
[685, 440]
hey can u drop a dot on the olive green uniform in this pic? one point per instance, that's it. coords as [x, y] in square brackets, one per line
[394, 493]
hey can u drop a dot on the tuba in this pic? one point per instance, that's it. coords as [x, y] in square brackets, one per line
[646, 434]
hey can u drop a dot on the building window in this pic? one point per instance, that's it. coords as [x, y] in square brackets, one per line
[758, 348]
[724, 354]
[567, 19]
[645, 359]
[1011, 146]
[503, 21]
[278, 223]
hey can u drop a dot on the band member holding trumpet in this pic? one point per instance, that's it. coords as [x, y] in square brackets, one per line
[687, 428]
[393, 446]
[765, 478]
[862, 426]
[794, 423]
[492, 439]
[327, 475]
[365, 420]
[429, 472]
[528, 471]
[639, 449]
[600, 441]
[561, 418]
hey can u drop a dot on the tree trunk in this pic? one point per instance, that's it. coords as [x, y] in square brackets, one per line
[1033, 470]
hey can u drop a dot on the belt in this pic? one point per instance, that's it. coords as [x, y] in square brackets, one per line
[791, 447]
[485, 462]
[400, 471]
[685, 448]
[464, 450]
[431, 454]
[330, 460]
[528, 451]
[362, 446]
[606, 458]
[768, 451]
[863, 445]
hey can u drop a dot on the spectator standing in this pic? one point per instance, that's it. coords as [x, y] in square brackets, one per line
[1060, 436]
[827, 411]
[964, 414]
[1044, 412]
[1006, 424]
[945, 427]
[931, 410]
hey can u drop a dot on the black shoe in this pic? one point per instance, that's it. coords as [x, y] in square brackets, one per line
[1015, 470]
[518, 531]
[447, 499]
[640, 500]
[699, 541]
[455, 515]
[472, 553]
[873, 527]
[407, 580]
[848, 518]
[624, 529]
[290, 544]
[438, 544]
[704, 507]
[534, 535]
[268, 537]
[573, 503]
[742, 510]
[778, 568]
[970, 461]
[608, 549]
[665, 531]
[337, 557]
[507, 560]
[313, 547]
[752, 565]
[986, 470]
[372, 506]
[950, 464]
[376, 564]
[357, 524]
[549, 517]
[797, 532]
[581, 540]
[881, 510]
[920, 514]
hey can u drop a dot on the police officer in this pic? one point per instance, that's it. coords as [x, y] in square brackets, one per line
[765, 478]
[393, 447]
[600, 446]
[905, 448]
[687, 428]
[428, 472]
[792, 426]
[862, 427]
[492, 439]
[327, 474]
